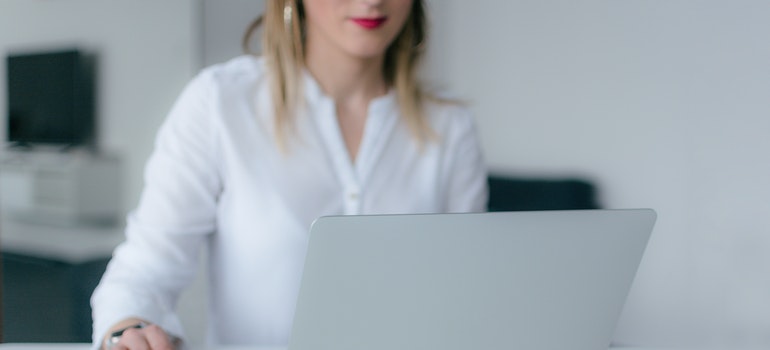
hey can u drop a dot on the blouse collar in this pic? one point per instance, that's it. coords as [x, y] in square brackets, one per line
[315, 95]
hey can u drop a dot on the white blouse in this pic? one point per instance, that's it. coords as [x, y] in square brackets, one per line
[218, 180]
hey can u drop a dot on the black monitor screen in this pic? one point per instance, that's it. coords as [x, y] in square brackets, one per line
[50, 98]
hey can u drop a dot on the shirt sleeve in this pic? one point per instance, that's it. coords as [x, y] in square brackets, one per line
[467, 171]
[176, 212]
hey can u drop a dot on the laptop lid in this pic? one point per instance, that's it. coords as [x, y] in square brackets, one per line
[506, 280]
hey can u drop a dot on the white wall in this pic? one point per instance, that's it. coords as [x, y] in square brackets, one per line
[665, 105]
[224, 23]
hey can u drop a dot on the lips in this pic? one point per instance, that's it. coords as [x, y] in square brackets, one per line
[369, 23]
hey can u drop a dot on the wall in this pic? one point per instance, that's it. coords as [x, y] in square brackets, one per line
[224, 23]
[665, 105]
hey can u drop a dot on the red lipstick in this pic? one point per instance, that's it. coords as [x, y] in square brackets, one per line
[369, 23]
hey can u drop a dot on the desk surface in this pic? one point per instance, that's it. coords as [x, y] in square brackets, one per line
[86, 346]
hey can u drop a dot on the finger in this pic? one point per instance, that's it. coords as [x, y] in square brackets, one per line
[157, 338]
[134, 339]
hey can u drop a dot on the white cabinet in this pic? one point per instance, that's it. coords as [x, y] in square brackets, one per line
[60, 188]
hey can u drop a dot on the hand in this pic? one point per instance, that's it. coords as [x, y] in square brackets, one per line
[146, 337]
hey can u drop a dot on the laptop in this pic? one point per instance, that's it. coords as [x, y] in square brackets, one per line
[505, 280]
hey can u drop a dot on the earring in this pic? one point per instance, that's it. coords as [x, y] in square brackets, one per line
[287, 14]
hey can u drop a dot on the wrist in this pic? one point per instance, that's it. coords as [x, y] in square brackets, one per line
[113, 337]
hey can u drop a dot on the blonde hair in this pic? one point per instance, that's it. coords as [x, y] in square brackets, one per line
[283, 47]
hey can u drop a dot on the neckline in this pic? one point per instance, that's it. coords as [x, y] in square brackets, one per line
[315, 94]
[380, 122]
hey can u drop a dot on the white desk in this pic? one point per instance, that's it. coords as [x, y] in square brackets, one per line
[87, 346]
[77, 346]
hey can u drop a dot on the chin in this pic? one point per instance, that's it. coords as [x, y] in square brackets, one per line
[369, 53]
[368, 50]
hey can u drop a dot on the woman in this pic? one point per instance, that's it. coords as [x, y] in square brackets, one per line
[329, 121]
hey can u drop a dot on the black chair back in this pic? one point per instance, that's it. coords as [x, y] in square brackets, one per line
[508, 193]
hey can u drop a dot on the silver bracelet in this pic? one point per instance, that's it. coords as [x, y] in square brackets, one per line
[114, 337]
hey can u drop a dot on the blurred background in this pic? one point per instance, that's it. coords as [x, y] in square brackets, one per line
[660, 104]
